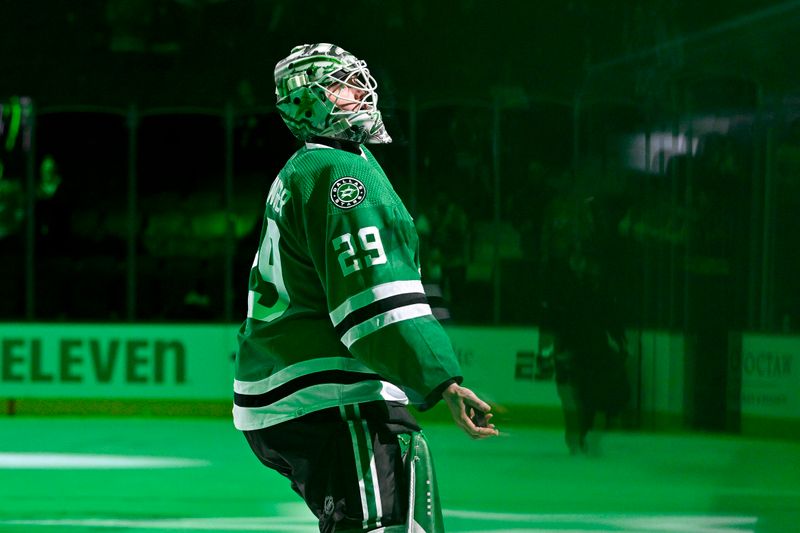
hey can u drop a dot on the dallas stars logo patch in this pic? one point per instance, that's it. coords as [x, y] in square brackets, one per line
[347, 192]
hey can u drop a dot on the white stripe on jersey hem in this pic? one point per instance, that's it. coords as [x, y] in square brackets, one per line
[381, 321]
[302, 368]
[393, 393]
[373, 294]
[310, 400]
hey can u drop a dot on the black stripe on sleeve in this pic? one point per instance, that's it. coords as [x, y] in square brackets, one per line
[376, 308]
[341, 377]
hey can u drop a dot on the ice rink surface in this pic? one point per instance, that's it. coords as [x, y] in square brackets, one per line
[101, 475]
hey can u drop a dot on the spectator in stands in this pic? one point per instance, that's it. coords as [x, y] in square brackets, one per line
[444, 251]
[12, 209]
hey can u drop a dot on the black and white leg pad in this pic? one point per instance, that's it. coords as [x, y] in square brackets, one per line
[424, 507]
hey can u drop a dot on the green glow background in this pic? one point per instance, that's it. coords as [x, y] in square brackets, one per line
[139, 139]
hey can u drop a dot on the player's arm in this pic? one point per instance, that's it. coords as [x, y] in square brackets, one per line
[366, 258]
[383, 317]
[378, 305]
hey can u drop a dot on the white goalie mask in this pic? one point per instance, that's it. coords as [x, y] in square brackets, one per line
[323, 90]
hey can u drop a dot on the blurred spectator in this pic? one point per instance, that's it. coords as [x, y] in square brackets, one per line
[715, 189]
[431, 267]
[787, 212]
[581, 326]
[12, 198]
[12, 209]
[46, 195]
[444, 251]
[12, 206]
[12, 203]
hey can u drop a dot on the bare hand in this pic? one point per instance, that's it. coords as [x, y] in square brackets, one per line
[469, 412]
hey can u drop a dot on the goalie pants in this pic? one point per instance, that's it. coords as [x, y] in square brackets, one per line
[345, 462]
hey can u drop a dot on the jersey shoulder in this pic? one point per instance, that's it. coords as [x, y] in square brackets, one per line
[340, 179]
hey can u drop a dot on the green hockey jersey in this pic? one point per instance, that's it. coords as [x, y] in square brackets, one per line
[336, 311]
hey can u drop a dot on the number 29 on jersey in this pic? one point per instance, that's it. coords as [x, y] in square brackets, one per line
[359, 250]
